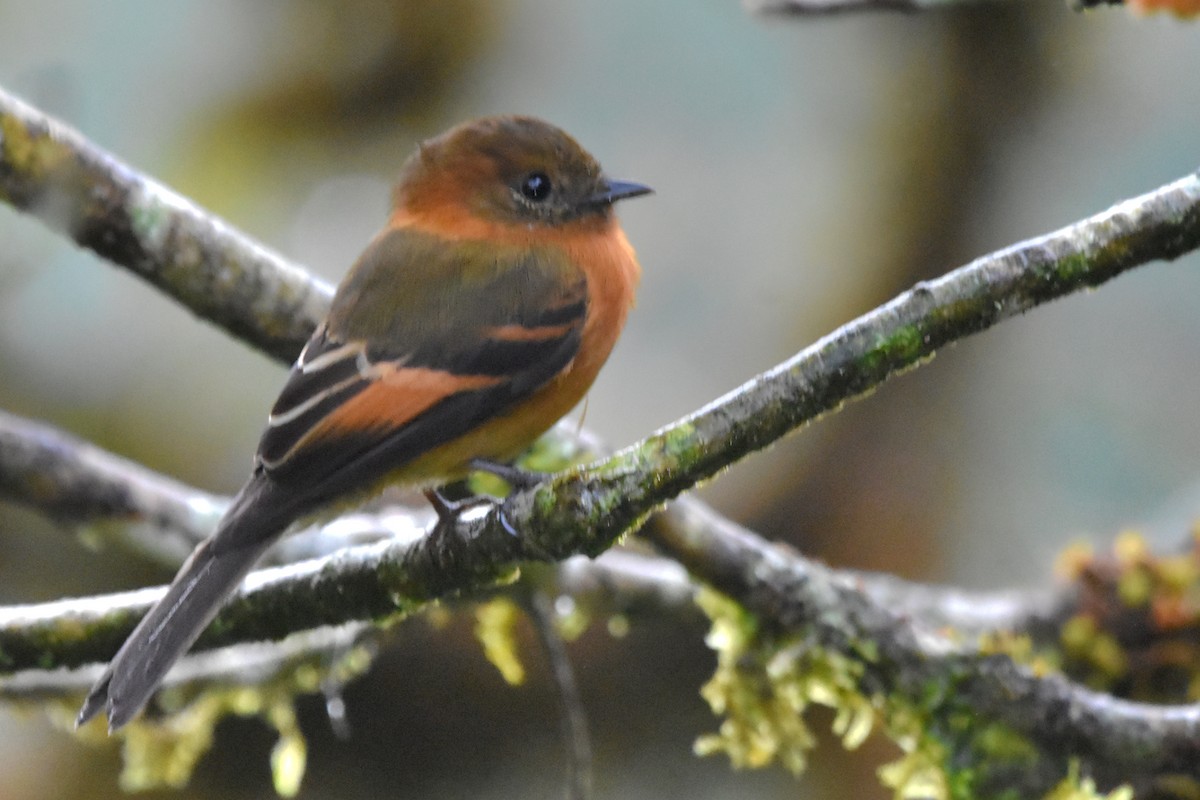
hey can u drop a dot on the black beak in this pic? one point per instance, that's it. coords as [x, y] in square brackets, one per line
[619, 190]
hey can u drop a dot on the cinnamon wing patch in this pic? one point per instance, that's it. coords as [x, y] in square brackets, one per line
[352, 411]
[327, 374]
[342, 456]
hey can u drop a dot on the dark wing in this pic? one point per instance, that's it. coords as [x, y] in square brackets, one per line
[425, 341]
[463, 342]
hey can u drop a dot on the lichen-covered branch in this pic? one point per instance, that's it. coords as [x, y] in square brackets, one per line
[858, 357]
[103, 205]
[962, 694]
[79, 484]
[221, 275]
[585, 510]
[345, 586]
[1037, 613]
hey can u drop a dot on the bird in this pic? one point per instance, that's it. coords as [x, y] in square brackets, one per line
[477, 317]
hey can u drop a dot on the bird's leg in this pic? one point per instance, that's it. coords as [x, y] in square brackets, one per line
[513, 475]
[448, 510]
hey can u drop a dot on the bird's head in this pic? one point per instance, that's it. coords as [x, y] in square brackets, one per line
[512, 171]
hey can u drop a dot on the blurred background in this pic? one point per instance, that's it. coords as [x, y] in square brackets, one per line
[806, 171]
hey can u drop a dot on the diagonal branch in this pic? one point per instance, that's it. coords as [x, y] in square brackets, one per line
[1118, 739]
[77, 189]
[846, 364]
[77, 483]
[95, 484]
[613, 497]
[585, 510]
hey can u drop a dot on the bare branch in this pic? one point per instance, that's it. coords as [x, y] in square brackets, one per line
[76, 483]
[77, 189]
[825, 8]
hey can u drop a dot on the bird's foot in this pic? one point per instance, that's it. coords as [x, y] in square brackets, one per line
[514, 476]
[448, 511]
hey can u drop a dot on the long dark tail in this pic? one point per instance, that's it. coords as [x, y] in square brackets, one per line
[210, 574]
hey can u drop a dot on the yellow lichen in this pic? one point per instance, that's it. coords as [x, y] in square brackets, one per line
[1082, 639]
[1073, 787]
[1178, 573]
[761, 725]
[1135, 587]
[1130, 547]
[290, 754]
[33, 155]
[1077, 633]
[766, 679]
[1073, 560]
[918, 775]
[618, 626]
[495, 628]
[162, 751]
[570, 618]
[1020, 648]
[763, 687]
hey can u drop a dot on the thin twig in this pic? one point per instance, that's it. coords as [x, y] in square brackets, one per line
[76, 483]
[576, 740]
[245, 664]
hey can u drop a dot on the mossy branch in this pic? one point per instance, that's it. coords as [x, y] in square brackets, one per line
[905, 662]
[83, 485]
[105, 206]
[585, 510]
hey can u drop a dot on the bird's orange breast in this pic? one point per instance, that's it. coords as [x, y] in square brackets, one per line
[598, 248]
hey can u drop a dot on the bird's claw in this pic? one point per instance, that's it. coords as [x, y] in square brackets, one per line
[514, 476]
[448, 511]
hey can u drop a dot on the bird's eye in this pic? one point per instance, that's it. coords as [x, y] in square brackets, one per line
[536, 186]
